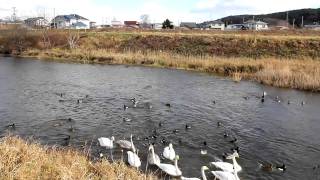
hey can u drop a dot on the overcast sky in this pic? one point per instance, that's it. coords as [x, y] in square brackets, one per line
[103, 11]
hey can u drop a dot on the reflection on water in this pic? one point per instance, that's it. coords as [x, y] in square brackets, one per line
[30, 94]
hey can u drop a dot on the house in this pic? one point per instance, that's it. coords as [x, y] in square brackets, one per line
[218, 25]
[156, 26]
[314, 26]
[256, 25]
[116, 24]
[131, 24]
[236, 27]
[72, 21]
[189, 25]
[37, 22]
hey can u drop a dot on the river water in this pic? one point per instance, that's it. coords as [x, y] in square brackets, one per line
[266, 132]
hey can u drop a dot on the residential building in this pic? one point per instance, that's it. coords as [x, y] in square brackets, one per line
[156, 26]
[256, 25]
[37, 22]
[189, 25]
[314, 26]
[217, 25]
[72, 21]
[131, 24]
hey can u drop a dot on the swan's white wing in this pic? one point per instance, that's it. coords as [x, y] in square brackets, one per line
[222, 175]
[153, 161]
[170, 169]
[124, 144]
[169, 153]
[223, 166]
[104, 142]
[133, 159]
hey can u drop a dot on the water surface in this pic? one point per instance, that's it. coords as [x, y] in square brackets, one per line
[270, 132]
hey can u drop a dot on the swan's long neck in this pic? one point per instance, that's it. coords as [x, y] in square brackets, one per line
[235, 163]
[234, 168]
[132, 145]
[176, 164]
[203, 174]
[152, 151]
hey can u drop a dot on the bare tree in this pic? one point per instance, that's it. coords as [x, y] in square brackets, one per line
[73, 39]
[145, 19]
[46, 39]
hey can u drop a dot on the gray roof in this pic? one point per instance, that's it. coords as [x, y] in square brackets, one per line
[215, 22]
[34, 19]
[71, 16]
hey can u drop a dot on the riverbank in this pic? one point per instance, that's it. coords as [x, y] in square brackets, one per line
[20, 159]
[286, 59]
[302, 74]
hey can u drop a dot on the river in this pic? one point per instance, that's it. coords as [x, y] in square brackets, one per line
[266, 132]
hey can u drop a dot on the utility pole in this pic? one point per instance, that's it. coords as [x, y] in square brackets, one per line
[302, 23]
[288, 18]
[293, 21]
[14, 14]
[54, 18]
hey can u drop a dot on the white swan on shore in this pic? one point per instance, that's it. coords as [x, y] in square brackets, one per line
[107, 143]
[133, 158]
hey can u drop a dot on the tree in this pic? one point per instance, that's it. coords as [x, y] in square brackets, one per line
[145, 19]
[167, 24]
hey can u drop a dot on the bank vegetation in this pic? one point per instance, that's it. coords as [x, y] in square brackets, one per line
[282, 59]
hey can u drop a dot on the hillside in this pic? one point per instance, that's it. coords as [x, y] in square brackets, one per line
[279, 19]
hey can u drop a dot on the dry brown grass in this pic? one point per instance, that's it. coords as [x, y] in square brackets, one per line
[303, 74]
[20, 159]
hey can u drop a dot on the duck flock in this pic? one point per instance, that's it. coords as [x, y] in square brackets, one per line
[167, 162]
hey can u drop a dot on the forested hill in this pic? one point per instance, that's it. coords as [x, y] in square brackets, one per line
[310, 16]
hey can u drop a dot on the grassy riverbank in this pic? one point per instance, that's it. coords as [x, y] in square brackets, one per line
[20, 159]
[288, 59]
[303, 74]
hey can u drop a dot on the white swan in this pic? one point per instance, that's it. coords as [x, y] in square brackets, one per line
[222, 175]
[133, 159]
[228, 167]
[169, 152]
[124, 144]
[108, 143]
[203, 174]
[153, 159]
[170, 169]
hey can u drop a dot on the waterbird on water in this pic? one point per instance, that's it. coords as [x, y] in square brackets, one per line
[172, 170]
[168, 105]
[228, 167]
[233, 140]
[188, 126]
[169, 152]
[125, 107]
[11, 126]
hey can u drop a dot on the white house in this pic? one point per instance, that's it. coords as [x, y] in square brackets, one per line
[156, 26]
[72, 21]
[256, 25]
[218, 25]
[38, 22]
